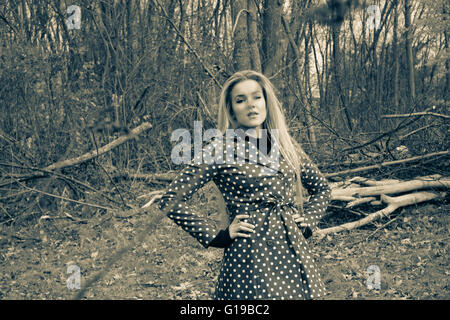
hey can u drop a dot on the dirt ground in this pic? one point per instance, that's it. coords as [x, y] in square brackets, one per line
[411, 253]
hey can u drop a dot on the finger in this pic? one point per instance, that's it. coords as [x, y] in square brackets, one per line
[247, 225]
[241, 216]
[241, 228]
[303, 225]
[243, 235]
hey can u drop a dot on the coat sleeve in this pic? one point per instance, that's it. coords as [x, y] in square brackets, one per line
[317, 186]
[173, 202]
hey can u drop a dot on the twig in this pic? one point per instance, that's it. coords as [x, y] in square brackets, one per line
[205, 107]
[237, 19]
[60, 197]
[347, 209]
[401, 125]
[187, 43]
[149, 203]
[385, 164]
[384, 225]
[94, 153]
[62, 176]
[416, 131]
[109, 177]
[357, 202]
[416, 114]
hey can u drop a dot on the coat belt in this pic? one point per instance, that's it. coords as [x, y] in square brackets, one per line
[283, 209]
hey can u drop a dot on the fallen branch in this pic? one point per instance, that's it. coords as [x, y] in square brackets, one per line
[416, 114]
[370, 182]
[94, 153]
[393, 204]
[390, 189]
[357, 202]
[416, 131]
[385, 164]
[148, 177]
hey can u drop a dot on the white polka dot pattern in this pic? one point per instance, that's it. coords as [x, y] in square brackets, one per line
[276, 261]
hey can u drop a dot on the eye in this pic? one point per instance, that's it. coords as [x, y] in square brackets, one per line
[239, 100]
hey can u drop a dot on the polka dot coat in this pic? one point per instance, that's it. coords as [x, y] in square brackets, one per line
[276, 261]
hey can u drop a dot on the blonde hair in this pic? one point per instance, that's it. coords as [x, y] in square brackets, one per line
[275, 119]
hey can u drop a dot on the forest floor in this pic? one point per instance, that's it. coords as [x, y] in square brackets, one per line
[411, 253]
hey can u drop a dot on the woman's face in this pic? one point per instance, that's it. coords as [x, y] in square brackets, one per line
[249, 105]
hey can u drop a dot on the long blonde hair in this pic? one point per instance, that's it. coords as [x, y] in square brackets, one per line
[275, 119]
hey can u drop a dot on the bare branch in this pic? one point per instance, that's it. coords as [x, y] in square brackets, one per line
[393, 204]
[94, 153]
[416, 114]
[389, 163]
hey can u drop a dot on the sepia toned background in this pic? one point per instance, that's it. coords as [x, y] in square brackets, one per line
[91, 91]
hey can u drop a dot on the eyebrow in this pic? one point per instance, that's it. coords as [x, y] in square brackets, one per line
[243, 95]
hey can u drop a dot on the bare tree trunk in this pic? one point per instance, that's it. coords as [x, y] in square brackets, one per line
[241, 54]
[272, 35]
[396, 60]
[337, 72]
[253, 35]
[308, 94]
[447, 61]
[409, 54]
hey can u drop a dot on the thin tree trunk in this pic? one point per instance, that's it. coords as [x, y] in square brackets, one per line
[253, 36]
[409, 54]
[241, 54]
[396, 60]
[337, 71]
[447, 61]
[272, 36]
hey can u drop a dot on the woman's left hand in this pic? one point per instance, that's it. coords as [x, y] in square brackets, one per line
[299, 219]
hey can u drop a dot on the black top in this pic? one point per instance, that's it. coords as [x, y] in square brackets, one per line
[265, 138]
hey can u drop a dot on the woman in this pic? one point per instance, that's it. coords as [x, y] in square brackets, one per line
[266, 255]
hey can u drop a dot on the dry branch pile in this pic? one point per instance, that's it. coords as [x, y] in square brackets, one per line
[361, 190]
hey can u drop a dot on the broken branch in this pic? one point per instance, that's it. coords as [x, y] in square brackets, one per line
[416, 114]
[390, 189]
[389, 163]
[94, 153]
[393, 204]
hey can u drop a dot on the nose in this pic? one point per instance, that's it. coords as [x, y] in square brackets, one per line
[251, 104]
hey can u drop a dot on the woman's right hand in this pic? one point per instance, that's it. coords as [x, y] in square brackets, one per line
[238, 227]
[299, 219]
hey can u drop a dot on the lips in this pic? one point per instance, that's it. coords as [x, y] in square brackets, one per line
[252, 114]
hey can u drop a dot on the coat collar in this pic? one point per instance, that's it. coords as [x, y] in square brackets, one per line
[246, 150]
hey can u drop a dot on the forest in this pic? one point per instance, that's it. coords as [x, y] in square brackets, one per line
[91, 92]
